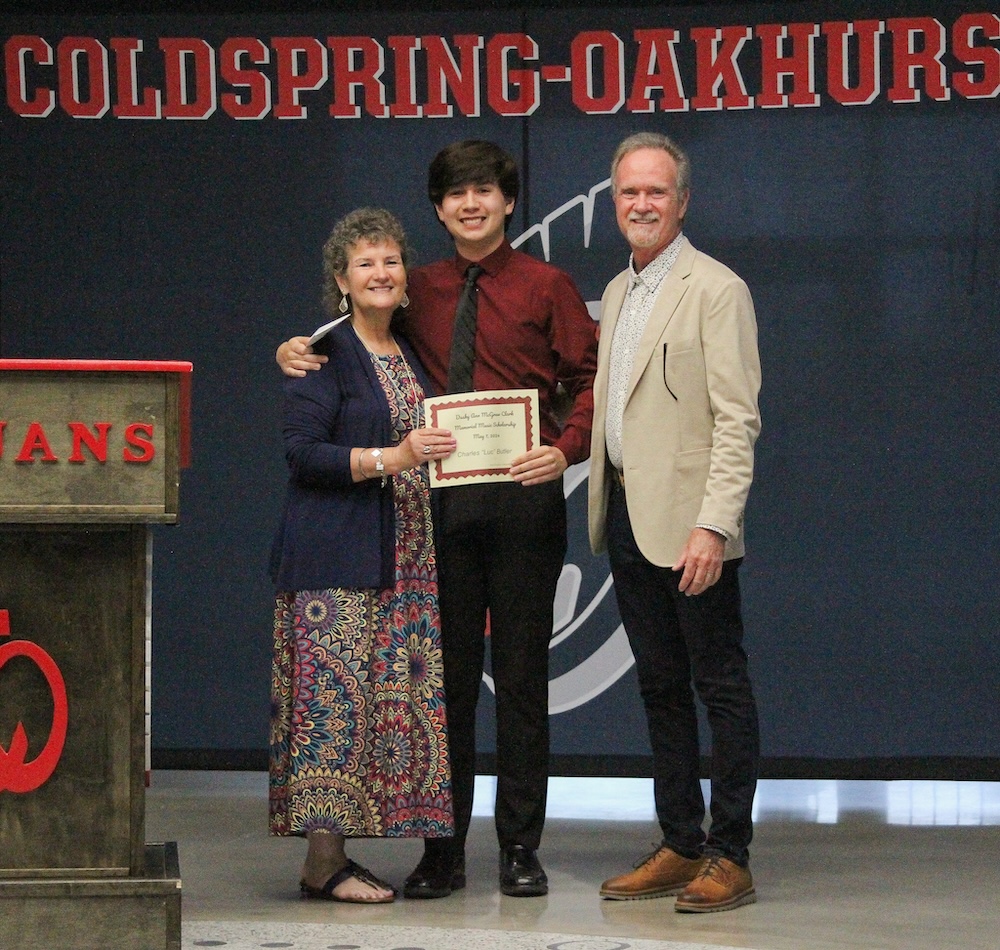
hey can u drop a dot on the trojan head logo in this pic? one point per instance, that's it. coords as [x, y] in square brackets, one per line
[16, 775]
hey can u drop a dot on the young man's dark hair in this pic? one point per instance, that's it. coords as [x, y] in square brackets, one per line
[472, 162]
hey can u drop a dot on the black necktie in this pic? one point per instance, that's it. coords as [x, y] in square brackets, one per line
[463, 339]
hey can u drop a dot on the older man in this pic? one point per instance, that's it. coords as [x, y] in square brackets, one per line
[675, 421]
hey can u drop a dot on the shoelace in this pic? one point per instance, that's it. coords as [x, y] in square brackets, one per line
[642, 862]
[711, 868]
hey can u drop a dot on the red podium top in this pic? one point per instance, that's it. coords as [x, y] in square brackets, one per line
[100, 366]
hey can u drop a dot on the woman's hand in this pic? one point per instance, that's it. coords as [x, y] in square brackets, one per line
[423, 445]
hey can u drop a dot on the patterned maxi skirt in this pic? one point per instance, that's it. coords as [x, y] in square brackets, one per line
[358, 740]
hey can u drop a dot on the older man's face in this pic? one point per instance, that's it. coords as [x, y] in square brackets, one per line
[649, 210]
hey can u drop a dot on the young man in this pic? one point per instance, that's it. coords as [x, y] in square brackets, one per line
[675, 423]
[500, 546]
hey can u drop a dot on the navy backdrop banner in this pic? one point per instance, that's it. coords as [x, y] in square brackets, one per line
[168, 182]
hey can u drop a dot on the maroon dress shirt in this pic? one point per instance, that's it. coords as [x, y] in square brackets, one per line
[533, 332]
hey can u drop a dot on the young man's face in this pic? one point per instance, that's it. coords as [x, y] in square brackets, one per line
[474, 216]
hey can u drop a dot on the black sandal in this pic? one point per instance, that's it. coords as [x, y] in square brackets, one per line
[351, 869]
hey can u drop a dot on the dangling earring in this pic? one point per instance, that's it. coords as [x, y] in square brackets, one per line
[405, 302]
[343, 304]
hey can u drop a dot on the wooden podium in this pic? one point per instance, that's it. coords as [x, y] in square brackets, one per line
[90, 458]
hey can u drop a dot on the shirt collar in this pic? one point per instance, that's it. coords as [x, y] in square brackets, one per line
[651, 276]
[492, 263]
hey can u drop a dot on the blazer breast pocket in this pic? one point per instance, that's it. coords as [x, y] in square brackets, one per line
[680, 359]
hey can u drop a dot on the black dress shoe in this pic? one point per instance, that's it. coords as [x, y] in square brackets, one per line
[520, 873]
[439, 872]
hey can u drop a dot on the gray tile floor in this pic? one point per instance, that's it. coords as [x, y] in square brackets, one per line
[838, 864]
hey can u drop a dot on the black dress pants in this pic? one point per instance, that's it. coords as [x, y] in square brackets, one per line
[500, 548]
[678, 640]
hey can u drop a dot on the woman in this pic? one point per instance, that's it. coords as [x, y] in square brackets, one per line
[358, 744]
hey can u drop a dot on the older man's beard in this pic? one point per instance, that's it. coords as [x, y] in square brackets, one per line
[640, 233]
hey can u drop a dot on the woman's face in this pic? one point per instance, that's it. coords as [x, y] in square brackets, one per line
[375, 276]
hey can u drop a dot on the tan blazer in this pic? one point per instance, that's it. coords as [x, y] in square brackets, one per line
[691, 414]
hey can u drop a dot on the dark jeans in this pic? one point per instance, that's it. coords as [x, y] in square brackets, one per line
[500, 548]
[677, 640]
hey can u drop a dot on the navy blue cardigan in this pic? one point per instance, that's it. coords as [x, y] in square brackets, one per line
[336, 532]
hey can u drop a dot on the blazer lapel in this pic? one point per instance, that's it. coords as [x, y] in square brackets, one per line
[672, 289]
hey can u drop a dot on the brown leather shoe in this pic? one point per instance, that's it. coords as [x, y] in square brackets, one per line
[662, 873]
[720, 884]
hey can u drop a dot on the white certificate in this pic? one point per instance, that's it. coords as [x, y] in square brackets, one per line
[491, 428]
